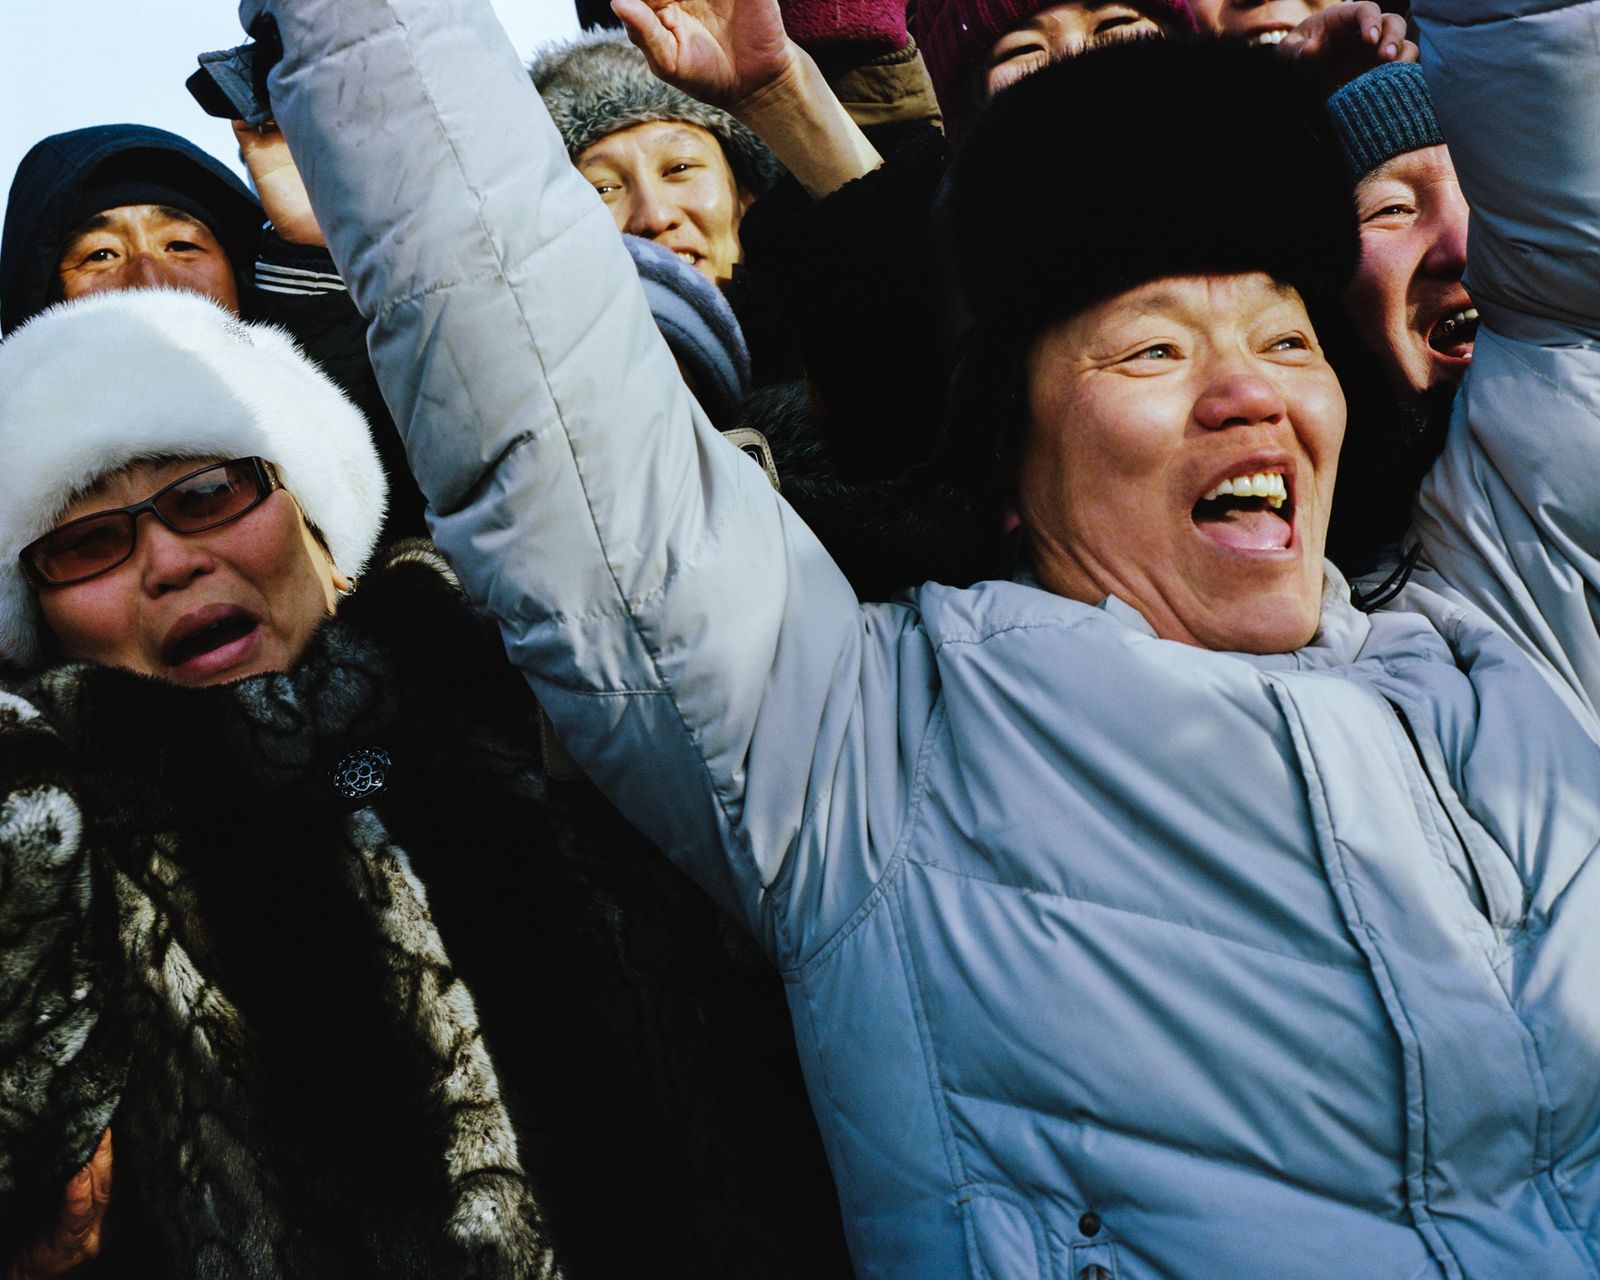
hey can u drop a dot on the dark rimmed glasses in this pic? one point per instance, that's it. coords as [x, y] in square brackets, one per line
[94, 544]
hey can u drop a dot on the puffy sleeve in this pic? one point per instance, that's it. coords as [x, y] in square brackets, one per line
[1510, 516]
[699, 654]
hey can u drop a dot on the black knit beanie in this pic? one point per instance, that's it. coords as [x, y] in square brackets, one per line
[103, 197]
[1383, 114]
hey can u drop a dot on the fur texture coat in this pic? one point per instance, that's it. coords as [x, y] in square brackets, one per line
[465, 1024]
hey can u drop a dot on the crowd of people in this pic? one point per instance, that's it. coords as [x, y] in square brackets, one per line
[1005, 684]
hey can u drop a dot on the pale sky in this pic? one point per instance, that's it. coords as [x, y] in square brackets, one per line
[66, 64]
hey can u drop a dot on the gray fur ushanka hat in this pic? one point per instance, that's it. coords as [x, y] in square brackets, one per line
[599, 83]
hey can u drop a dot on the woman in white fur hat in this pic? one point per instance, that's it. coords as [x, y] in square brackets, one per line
[263, 540]
[291, 901]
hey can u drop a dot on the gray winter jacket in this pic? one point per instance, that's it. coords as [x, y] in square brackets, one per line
[1102, 951]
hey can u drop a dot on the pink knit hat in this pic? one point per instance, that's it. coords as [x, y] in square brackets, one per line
[954, 35]
[865, 27]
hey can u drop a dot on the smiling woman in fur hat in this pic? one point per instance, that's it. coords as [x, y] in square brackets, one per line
[362, 979]
[1155, 911]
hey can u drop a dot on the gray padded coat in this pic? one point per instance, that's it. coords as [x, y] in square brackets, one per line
[1102, 951]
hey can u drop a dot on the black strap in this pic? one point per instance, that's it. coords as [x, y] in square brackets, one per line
[1390, 587]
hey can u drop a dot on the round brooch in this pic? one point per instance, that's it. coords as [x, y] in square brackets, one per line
[362, 773]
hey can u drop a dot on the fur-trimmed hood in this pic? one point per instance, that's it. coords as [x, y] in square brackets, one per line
[89, 386]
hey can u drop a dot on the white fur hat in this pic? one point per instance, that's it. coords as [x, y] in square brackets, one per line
[92, 385]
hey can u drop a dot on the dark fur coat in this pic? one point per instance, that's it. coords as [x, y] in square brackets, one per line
[471, 1025]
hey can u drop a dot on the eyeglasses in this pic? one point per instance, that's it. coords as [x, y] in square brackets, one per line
[94, 544]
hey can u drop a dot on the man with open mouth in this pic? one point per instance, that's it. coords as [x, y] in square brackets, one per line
[1407, 297]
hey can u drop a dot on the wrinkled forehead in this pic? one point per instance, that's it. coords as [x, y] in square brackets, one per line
[651, 139]
[124, 217]
[1230, 299]
[1419, 168]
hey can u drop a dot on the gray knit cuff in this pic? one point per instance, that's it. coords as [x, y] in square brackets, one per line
[1383, 114]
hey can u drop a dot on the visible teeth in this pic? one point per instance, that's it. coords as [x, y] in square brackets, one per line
[1467, 315]
[686, 256]
[1269, 37]
[1268, 485]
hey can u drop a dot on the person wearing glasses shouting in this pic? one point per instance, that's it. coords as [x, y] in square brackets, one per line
[299, 916]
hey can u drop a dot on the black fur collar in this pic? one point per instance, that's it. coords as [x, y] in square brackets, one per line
[406, 666]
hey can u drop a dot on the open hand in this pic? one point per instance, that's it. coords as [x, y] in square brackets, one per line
[1343, 41]
[76, 1238]
[728, 53]
[278, 182]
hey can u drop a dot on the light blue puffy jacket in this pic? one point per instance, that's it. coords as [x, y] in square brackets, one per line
[1102, 951]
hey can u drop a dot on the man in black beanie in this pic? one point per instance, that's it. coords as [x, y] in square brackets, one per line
[1407, 297]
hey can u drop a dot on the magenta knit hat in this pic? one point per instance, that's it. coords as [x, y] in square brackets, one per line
[954, 35]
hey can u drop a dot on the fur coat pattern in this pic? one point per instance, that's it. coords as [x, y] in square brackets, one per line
[277, 996]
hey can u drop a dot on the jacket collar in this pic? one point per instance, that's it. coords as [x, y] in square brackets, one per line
[1340, 638]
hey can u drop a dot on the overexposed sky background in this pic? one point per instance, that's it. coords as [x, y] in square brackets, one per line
[67, 64]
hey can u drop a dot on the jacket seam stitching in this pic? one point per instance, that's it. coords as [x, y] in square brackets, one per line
[1045, 891]
[896, 860]
[844, 1186]
[937, 1089]
[983, 636]
[1411, 1056]
[1194, 1151]
[983, 1190]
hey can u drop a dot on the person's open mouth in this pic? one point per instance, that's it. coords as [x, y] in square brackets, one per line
[209, 639]
[1453, 334]
[1268, 35]
[1251, 511]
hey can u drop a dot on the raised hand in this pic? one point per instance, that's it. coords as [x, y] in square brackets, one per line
[1343, 41]
[735, 54]
[729, 53]
[278, 182]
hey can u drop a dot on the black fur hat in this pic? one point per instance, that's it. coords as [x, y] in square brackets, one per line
[1102, 172]
[1147, 159]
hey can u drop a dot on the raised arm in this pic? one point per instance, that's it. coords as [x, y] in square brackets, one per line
[1516, 85]
[736, 55]
[697, 651]
[1510, 516]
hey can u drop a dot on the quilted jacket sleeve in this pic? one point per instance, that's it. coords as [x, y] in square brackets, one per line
[697, 651]
[54, 1100]
[1510, 515]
